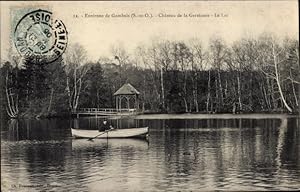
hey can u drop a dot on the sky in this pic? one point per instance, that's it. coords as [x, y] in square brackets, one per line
[237, 19]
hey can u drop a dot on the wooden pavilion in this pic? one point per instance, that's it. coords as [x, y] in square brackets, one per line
[128, 93]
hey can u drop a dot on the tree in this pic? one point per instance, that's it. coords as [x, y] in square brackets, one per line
[183, 59]
[199, 63]
[292, 47]
[274, 56]
[244, 58]
[122, 57]
[155, 67]
[97, 93]
[32, 84]
[9, 74]
[56, 80]
[218, 54]
[162, 62]
[76, 69]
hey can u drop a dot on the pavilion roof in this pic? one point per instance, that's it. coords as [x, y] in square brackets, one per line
[127, 89]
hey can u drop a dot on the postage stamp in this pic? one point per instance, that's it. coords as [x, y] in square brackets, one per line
[39, 36]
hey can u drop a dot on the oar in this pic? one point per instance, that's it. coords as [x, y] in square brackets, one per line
[90, 139]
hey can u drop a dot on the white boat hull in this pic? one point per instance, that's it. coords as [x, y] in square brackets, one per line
[115, 133]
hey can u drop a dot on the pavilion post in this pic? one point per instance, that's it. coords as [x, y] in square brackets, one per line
[128, 99]
[120, 104]
[116, 103]
[137, 102]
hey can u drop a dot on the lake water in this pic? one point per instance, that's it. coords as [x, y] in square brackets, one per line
[180, 155]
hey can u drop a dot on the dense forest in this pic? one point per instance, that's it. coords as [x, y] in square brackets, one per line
[250, 75]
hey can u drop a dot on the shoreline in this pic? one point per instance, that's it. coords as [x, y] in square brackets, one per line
[211, 116]
[175, 116]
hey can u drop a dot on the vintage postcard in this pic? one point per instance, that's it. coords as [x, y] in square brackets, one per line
[150, 95]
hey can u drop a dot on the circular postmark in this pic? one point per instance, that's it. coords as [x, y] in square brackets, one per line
[37, 35]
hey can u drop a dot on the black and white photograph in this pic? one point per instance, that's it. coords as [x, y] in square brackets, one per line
[149, 96]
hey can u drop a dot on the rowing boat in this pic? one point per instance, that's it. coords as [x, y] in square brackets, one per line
[114, 133]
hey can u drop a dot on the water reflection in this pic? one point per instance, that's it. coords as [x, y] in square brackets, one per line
[209, 154]
[30, 129]
[93, 123]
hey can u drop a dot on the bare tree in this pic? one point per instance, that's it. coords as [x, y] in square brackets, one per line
[244, 58]
[148, 58]
[11, 77]
[12, 104]
[199, 63]
[183, 60]
[76, 69]
[273, 56]
[294, 68]
[123, 60]
[158, 57]
[218, 54]
[165, 58]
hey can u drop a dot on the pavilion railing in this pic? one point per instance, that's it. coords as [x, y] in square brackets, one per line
[104, 110]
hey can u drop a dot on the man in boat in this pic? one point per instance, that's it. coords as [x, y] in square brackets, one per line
[105, 126]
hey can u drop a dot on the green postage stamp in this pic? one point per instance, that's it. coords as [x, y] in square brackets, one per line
[39, 36]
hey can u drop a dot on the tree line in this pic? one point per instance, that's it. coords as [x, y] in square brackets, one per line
[250, 75]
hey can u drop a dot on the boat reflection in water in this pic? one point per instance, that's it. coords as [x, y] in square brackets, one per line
[109, 144]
